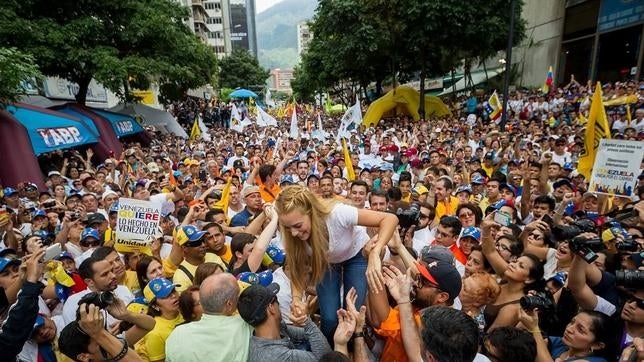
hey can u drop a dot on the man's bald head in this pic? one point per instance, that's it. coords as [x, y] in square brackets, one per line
[219, 293]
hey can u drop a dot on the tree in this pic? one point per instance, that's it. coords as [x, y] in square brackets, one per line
[115, 42]
[241, 69]
[16, 68]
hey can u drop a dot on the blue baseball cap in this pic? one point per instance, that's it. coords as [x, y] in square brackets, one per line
[508, 187]
[38, 213]
[265, 278]
[114, 207]
[464, 188]
[189, 233]
[9, 191]
[478, 179]
[568, 166]
[276, 254]
[64, 255]
[386, 167]
[158, 288]
[5, 262]
[89, 233]
[472, 232]
[287, 179]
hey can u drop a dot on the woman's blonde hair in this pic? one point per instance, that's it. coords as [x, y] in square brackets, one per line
[298, 257]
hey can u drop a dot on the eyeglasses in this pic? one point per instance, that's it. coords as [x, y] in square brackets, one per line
[422, 282]
[424, 216]
[537, 236]
[465, 214]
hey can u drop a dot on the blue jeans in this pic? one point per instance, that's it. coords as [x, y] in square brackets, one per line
[345, 275]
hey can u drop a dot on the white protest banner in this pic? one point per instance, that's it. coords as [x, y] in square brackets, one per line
[616, 168]
[136, 225]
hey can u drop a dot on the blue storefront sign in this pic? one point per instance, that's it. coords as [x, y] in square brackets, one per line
[615, 14]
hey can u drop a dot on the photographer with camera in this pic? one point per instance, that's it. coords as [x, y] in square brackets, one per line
[102, 284]
[86, 339]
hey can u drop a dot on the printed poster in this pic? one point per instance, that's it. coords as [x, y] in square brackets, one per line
[616, 168]
[137, 225]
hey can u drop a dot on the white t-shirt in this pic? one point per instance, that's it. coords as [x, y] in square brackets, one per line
[345, 239]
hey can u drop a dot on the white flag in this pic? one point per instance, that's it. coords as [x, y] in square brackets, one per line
[269, 99]
[319, 122]
[236, 120]
[264, 119]
[204, 131]
[353, 116]
[295, 132]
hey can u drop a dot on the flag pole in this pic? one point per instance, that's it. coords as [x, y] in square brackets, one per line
[508, 65]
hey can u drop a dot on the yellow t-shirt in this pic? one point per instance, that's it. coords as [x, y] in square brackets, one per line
[227, 255]
[152, 346]
[131, 281]
[184, 281]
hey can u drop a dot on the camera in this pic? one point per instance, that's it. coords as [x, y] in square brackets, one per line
[408, 216]
[567, 232]
[101, 299]
[630, 279]
[586, 248]
[541, 300]
[74, 216]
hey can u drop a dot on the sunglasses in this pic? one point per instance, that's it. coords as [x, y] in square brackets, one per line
[194, 244]
[422, 282]
[640, 302]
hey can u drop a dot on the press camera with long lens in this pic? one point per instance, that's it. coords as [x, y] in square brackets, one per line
[408, 217]
[101, 300]
[541, 300]
[630, 279]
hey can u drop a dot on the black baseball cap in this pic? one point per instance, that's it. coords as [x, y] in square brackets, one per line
[254, 300]
[443, 275]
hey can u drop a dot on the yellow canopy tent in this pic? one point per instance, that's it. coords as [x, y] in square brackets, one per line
[403, 102]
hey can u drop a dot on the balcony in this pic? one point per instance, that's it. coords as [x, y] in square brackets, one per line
[198, 3]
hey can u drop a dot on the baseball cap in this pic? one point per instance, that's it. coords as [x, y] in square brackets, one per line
[8, 251]
[287, 179]
[108, 193]
[386, 167]
[5, 262]
[471, 232]
[9, 191]
[432, 253]
[561, 182]
[153, 167]
[39, 213]
[274, 255]
[95, 218]
[489, 155]
[442, 275]
[478, 179]
[64, 255]
[158, 288]
[114, 207]
[53, 173]
[420, 190]
[254, 300]
[559, 278]
[589, 194]
[505, 186]
[189, 234]
[265, 278]
[248, 190]
[138, 306]
[464, 188]
[89, 233]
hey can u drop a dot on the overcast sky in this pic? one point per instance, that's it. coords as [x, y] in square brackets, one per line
[261, 5]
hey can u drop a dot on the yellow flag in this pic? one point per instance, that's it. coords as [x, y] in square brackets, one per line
[196, 131]
[629, 117]
[225, 198]
[351, 173]
[596, 129]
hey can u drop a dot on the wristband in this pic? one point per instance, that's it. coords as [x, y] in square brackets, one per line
[358, 335]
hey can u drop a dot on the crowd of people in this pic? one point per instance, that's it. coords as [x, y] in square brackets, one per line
[448, 239]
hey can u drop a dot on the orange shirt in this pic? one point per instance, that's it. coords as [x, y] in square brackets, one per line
[394, 350]
[458, 254]
[268, 195]
[443, 208]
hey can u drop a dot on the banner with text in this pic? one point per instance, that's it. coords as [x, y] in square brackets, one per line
[616, 168]
[137, 225]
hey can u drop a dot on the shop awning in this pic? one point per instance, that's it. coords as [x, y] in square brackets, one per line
[123, 124]
[50, 130]
[478, 77]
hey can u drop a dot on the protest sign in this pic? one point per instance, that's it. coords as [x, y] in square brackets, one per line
[616, 168]
[137, 225]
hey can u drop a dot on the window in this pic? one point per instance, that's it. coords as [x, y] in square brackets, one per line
[212, 6]
[213, 20]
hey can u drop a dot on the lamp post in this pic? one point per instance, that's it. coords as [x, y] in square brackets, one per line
[508, 65]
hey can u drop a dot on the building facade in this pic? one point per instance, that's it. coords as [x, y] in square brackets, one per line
[242, 25]
[304, 36]
[596, 40]
[280, 80]
[218, 34]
